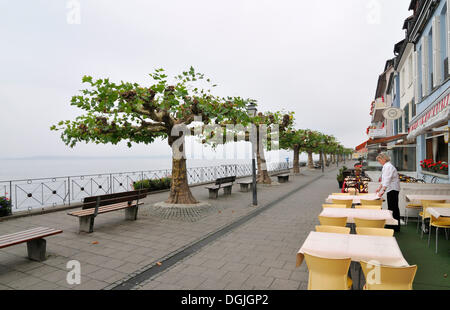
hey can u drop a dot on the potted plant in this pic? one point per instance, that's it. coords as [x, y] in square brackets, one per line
[439, 167]
[340, 177]
[5, 206]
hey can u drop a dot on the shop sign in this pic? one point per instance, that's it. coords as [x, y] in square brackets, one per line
[433, 113]
[377, 133]
[393, 113]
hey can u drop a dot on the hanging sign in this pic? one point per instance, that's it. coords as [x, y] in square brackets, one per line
[393, 113]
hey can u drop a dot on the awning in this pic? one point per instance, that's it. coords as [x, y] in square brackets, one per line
[361, 146]
[434, 116]
[386, 140]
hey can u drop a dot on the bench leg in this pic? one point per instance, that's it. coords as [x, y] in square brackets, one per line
[227, 191]
[86, 224]
[244, 188]
[36, 249]
[213, 194]
[131, 213]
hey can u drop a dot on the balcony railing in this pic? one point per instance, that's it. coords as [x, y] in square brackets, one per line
[30, 194]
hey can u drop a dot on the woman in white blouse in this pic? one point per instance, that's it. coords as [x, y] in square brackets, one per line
[390, 184]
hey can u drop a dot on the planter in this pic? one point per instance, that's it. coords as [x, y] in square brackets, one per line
[5, 207]
[341, 183]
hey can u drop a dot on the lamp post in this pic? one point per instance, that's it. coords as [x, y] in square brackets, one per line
[251, 110]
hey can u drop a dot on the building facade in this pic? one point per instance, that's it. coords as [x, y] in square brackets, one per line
[418, 86]
[430, 36]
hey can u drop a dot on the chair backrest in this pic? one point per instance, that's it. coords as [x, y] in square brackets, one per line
[426, 204]
[340, 194]
[368, 207]
[348, 203]
[369, 223]
[334, 206]
[368, 231]
[390, 278]
[434, 205]
[377, 202]
[333, 221]
[333, 229]
[108, 199]
[352, 191]
[225, 180]
[327, 273]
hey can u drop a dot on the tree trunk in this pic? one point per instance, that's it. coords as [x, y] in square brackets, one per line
[310, 160]
[322, 161]
[296, 159]
[263, 176]
[180, 193]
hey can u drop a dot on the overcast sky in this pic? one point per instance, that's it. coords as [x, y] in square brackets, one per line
[320, 59]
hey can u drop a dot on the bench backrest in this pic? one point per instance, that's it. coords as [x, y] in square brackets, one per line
[225, 180]
[108, 199]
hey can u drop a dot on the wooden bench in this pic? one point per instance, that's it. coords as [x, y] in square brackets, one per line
[245, 185]
[92, 206]
[283, 178]
[225, 183]
[36, 244]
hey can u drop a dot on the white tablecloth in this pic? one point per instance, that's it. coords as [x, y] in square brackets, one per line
[356, 199]
[384, 250]
[439, 212]
[350, 214]
[419, 198]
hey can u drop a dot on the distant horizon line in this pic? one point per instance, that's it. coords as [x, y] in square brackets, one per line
[49, 157]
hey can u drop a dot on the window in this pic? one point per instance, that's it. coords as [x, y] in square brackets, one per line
[437, 149]
[413, 108]
[406, 113]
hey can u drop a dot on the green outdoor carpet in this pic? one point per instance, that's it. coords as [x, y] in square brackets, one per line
[433, 270]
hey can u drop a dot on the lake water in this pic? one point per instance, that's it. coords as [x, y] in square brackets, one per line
[18, 169]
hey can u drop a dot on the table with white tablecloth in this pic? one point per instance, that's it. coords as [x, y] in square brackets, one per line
[356, 199]
[439, 212]
[383, 250]
[370, 214]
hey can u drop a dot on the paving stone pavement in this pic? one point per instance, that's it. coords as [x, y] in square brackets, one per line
[258, 254]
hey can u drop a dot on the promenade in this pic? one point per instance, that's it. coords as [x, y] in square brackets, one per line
[233, 246]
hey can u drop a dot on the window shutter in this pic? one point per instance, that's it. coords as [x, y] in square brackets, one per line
[436, 51]
[448, 33]
[416, 80]
[424, 66]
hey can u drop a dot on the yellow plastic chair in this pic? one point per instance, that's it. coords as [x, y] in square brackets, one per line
[333, 221]
[340, 194]
[369, 223]
[368, 231]
[352, 191]
[368, 207]
[334, 206]
[377, 202]
[333, 229]
[424, 215]
[348, 203]
[412, 206]
[390, 278]
[328, 273]
[438, 223]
